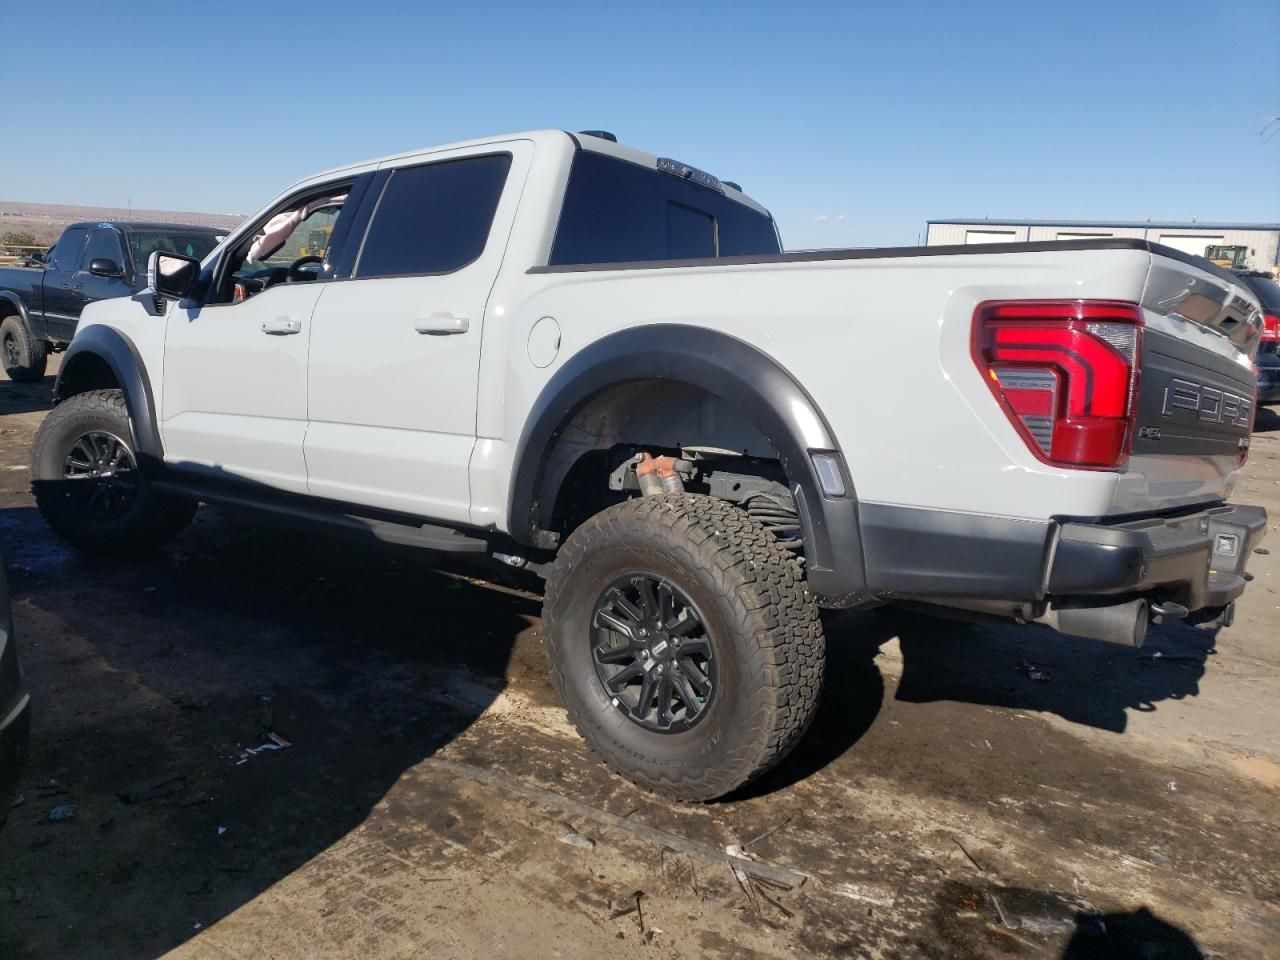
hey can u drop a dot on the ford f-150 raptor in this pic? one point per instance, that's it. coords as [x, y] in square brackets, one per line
[599, 365]
[40, 305]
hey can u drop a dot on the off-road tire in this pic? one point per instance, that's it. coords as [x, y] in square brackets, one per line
[24, 357]
[152, 518]
[763, 620]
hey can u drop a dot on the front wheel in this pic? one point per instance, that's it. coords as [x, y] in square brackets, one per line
[684, 643]
[25, 357]
[87, 483]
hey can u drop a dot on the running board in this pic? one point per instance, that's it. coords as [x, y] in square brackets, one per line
[407, 532]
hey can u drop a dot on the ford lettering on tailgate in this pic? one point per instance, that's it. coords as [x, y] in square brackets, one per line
[1209, 404]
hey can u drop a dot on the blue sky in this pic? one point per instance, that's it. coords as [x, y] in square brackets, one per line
[853, 122]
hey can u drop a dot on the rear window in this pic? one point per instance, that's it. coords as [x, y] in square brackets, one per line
[1267, 291]
[616, 211]
[142, 243]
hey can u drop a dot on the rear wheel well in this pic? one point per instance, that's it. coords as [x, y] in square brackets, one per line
[84, 372]
[584, 470]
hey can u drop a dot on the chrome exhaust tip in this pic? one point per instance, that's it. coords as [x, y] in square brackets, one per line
[1124, 624]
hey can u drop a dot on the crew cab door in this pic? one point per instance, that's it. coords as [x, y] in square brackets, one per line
[61, 304]
[235, 364]
[395, 349]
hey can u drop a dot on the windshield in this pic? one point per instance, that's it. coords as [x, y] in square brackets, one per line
[142, 243]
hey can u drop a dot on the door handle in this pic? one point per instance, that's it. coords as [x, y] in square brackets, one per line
[282, 326]
[442, 324]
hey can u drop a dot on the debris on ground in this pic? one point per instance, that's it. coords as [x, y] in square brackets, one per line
[969, 856]
[578, 840]
[62, 813]
[878, 895]
[1044, 912]
[274, 742]
[772, 830]
[1170, 658]
[17, 801]
[51, 789]
[154, 788]
[638, 910]
[784, 878]
[221, 831]
[753, 884]
[266, 712]
[1032, 671]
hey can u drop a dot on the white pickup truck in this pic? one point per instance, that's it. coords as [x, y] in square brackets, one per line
[597, 364]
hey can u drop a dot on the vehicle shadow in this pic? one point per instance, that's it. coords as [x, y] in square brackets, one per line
[1024, 668]
[140, 669]
[1266, 420]
[851, 700]
[999, 920]
[26, 397]
[1123, 936]
[1035, 669]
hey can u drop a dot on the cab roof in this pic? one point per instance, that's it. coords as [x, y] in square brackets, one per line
[127, 225]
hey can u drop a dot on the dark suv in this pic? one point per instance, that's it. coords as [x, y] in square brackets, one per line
[1267, 291]
[14, 715]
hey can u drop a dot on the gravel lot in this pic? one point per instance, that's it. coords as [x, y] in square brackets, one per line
[432, 801]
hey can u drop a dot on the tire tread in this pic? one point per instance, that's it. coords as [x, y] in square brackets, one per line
[771, 602]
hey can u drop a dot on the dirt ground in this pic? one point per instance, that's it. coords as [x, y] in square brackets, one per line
[432, 801]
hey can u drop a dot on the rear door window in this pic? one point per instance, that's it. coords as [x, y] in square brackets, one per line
[616, 211]
[66, 252]
[433, 219]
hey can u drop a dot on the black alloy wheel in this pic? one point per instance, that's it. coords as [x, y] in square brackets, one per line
[653, 653]
[105, 467]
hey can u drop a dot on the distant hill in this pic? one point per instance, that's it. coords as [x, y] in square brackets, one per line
[45, 221]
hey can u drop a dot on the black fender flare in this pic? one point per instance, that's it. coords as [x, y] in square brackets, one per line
[738, 373]
[120, 354]
[20, 308]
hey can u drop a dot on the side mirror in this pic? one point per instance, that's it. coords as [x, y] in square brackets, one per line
[171, 275]
[102, 267]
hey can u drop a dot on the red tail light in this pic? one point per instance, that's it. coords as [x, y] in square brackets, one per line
[1065, 373]
[1270, 328]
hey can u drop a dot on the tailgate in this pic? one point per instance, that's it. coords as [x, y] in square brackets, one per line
[1196, 392]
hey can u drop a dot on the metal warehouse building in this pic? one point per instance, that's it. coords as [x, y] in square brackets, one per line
[1261, 241]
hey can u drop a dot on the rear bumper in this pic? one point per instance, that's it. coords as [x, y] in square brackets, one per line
[1194, 559]
[1197, 560]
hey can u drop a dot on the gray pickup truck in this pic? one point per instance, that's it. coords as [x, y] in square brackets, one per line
[40, 306]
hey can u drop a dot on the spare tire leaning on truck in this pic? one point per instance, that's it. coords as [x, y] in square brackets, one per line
[25, 357]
